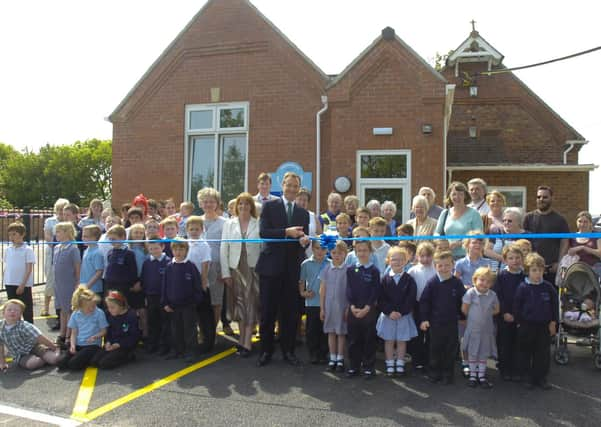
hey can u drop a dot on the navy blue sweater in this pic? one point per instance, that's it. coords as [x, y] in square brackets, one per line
[181, 285]
[123, 329]
[505, 287]
[440, 303]
[121, 268]
[363, 284]
[152, 275]
[535, 303]
[397, 297]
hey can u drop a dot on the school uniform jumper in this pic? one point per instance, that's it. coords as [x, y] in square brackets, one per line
[505, 287]
[397, 293]
[363, 283]
[440, 304]
[121, 271]
[535, 306]
[123, 330]
[153, 270]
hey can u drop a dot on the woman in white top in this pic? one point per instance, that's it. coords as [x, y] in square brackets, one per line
[422, 224]
[302, 199]
[238, 261]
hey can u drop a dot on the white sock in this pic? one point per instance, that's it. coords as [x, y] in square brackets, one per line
[340, 357]
[390, 364]
[473, 369]
[481, 369]
[400, 362]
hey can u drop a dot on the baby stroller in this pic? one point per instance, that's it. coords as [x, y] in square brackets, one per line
[579, 290]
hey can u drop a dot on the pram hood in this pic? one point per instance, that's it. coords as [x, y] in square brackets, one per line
[580, 280]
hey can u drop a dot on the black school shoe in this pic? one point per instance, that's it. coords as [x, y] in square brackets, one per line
[484, 383]
[351, 373]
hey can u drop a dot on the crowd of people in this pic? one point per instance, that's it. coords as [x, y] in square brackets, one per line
[167, 277]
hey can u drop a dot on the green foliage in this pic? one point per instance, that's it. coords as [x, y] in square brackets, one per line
[440, 60]
[78, 172]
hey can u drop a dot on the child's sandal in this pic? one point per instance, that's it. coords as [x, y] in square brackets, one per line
[473, 382]
[331, 365]
[339, 366]
[389, 371]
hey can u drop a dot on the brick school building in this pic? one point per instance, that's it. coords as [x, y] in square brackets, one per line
[232, 96]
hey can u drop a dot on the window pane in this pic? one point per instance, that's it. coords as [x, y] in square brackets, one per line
[201, 119]
[383, 194]
[202, 166]
[514, 198]
[231, 118]
[233, 166]
[384, 166]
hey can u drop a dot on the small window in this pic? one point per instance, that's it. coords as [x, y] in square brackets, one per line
[231, 118]
[383, 166]
[202, 119]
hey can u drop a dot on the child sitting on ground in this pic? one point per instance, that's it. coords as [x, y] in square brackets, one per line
[24, 341]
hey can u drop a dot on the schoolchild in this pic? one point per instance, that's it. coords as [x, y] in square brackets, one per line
[535, 310]
[362, 217]
[94, 215]
[396, 300]
[343, 227]
[199, 253]
[351, 258]
[308, 287]
[121, 270]
[19, 259]
[480, 305]
[92, 262]
[411, 249]
[473, 259]
[377, 228]
[506, 285]
[24, 341]
[421, 272]
[181, 293]
[122, 334]
[440, 311]
[363, 282]
[137, 300]
[66, 262]
[185, 211]
[334, 305]
[88, 326]
[153, 271]
[71, 214]
[170, 227]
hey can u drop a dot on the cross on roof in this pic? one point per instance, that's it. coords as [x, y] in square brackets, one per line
[473, 25]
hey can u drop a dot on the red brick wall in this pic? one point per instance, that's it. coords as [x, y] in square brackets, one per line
[389, 87]
[570, 189]
[514, 127]
[227, 46]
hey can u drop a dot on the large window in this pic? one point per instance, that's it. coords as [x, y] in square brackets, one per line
[385, 175]
[216, 149]
[515, 196]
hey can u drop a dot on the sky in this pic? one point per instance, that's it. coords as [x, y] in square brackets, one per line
[65, 65]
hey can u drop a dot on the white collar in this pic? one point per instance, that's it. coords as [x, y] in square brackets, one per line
[152, 258]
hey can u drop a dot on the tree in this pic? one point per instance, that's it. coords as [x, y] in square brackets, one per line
[78, 172]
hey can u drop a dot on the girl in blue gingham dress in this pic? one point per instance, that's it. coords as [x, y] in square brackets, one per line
[396, 301]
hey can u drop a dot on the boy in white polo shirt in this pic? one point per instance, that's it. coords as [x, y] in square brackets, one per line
[18, 269]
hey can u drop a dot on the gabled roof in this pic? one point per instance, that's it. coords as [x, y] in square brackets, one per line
[388, 33]
[475, 49]
[171, 45]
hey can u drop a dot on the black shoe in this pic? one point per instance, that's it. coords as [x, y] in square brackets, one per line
[339, 366]
[351, 373]
[291, 359]
[314, 360]
[473, 382]
[163, 351]
[244, 352]
[484, 383]
[172, 356]
[264, 359]
[332, 365]
[369, 374]
[545, 385]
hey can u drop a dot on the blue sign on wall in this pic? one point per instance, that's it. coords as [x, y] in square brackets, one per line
[278, 176]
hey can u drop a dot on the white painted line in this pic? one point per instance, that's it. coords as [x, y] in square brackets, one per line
[38, 416]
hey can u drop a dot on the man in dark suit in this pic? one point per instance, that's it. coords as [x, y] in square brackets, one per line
[279, 268]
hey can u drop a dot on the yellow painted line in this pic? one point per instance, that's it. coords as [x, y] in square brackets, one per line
[52, 316]
[85, 394]
[151, 387]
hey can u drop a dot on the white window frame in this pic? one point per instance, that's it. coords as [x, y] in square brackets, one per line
[217, 133]
[521, 189]
[404, 183]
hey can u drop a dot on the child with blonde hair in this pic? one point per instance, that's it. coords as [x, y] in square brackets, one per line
[66, 262]
[88, 325]
[24, 342]
[480, 305]
[396, 300]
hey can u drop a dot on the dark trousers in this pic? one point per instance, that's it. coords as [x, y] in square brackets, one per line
[183, 329]
[317, 341]
[362, 340]
[507, 343]
[159, 329]
[279, 294]
[224, 320]
[26, 297]
[81, 359]
[444, 343]
[419, 346]
[533, 343]
[111, 359]
[206, 321]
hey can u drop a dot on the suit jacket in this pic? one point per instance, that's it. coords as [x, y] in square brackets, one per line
[230, 251]
[286, 257]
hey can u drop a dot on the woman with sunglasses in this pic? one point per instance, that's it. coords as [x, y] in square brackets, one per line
[512, 224]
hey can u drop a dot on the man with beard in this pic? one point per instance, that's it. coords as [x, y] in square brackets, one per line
[546, 220]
